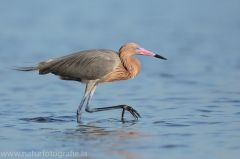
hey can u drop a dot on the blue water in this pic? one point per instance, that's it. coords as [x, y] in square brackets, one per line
[189, 104]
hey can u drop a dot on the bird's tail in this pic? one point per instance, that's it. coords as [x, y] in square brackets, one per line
[26, 68]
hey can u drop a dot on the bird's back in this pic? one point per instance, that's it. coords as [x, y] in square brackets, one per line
[85, 65]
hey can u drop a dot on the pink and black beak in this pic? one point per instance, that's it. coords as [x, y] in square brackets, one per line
[145, 52]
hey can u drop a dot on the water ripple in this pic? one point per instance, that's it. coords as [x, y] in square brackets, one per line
[172, 146]
[169, 124]
[44, 120]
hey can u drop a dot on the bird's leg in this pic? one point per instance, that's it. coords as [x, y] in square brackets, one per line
[88, 88]
[79, 110]
[134, 113]
[89, 99]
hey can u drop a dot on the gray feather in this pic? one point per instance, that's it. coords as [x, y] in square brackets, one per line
[85, 65]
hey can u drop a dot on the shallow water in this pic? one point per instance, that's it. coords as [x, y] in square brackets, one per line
[189, 104]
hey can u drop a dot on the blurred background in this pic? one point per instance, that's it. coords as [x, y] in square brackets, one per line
[189, 104]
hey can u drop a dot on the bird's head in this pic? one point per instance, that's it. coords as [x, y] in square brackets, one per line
[135, 49]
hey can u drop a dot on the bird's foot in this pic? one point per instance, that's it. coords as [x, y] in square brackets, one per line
[134, 113]
[79, 118]
[79, 115]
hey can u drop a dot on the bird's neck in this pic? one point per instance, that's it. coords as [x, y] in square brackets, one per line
[132, 65]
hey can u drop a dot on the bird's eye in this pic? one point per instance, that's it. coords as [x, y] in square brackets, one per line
[138, 49]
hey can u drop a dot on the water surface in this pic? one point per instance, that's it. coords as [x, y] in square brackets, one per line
[189, 104]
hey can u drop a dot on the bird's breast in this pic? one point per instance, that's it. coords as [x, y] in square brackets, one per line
[117, 74]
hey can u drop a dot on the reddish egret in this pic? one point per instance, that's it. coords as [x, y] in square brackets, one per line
[96, 66]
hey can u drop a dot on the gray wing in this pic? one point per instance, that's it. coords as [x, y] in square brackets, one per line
[85, 65]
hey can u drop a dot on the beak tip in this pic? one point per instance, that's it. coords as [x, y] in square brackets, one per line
[161, 57]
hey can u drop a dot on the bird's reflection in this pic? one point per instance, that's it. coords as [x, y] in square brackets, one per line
[104, 127]
[110, 134]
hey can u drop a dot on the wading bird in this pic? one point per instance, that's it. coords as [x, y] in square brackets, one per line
[96, 66]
